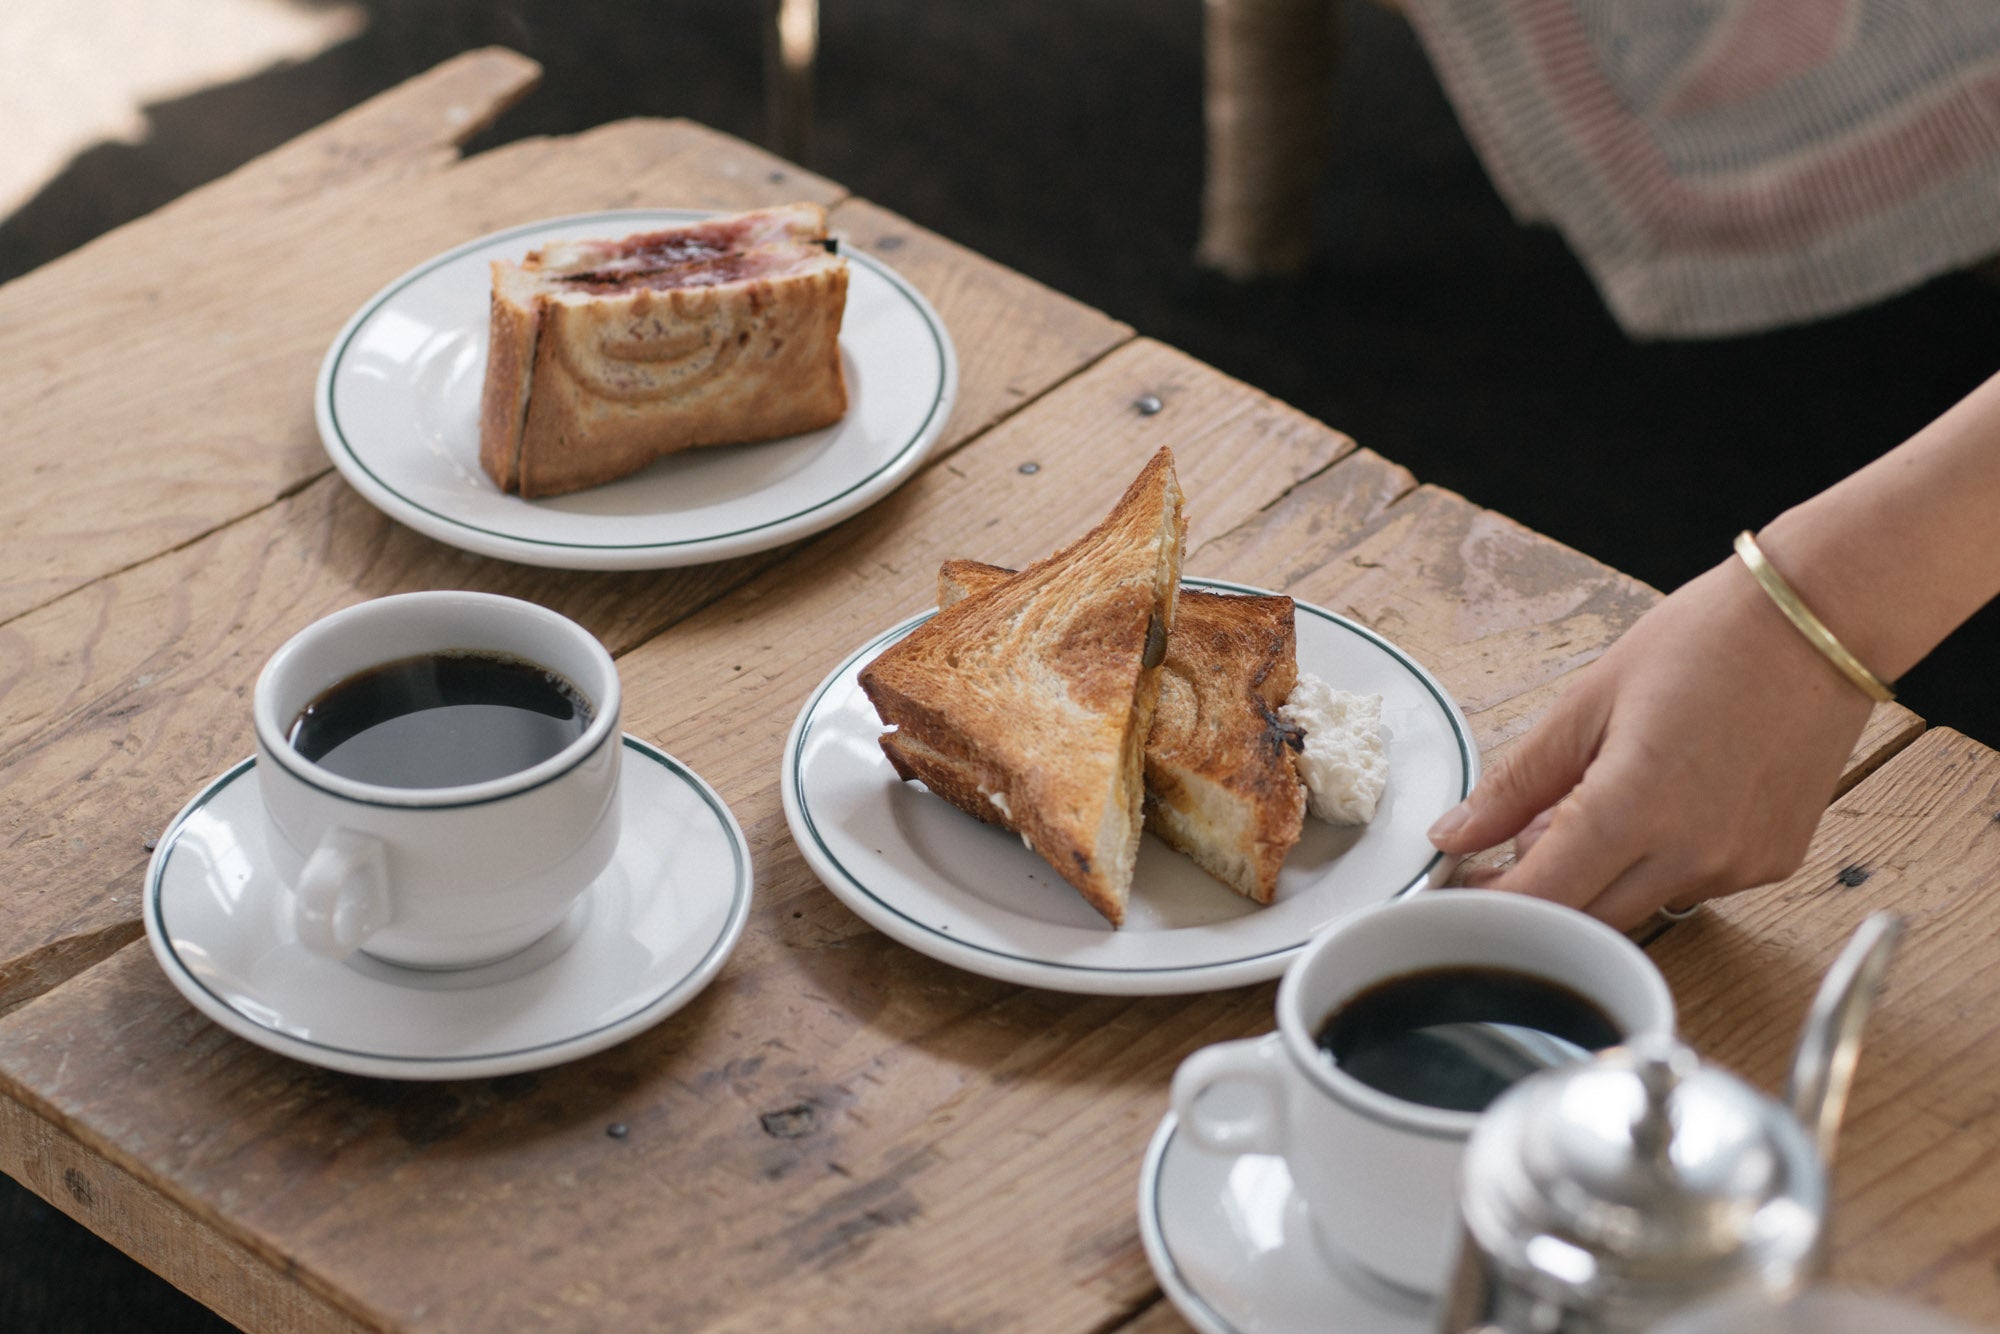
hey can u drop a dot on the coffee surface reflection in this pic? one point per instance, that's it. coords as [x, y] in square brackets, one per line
[1459, 1037]
[440, 720]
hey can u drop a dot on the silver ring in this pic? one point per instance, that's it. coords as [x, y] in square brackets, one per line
[1678, 914]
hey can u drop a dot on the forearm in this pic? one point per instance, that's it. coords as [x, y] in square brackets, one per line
[1898, 555]
[1697, 756]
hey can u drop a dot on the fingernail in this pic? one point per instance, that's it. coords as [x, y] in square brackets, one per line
[1451, 822]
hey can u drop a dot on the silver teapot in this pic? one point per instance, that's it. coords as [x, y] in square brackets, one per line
[1600, 1198]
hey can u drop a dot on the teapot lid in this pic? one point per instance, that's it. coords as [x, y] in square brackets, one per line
[1643, 1170]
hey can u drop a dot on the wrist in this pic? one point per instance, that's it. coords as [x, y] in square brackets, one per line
[1861, 582]
[1896, 556]
[1762, 644]
[1808, 624]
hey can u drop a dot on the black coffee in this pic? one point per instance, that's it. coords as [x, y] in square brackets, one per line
[440, 720]
[1458, 1037]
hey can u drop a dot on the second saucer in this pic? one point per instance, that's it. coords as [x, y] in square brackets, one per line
[652, 930]
[1230, 1242]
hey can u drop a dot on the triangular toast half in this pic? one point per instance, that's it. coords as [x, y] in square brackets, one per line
[1029, 707]
[1221, 783]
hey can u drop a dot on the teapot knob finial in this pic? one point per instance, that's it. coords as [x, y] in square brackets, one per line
[1660, 1071]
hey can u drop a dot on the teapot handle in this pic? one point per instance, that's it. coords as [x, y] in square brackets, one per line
[1830, 1042]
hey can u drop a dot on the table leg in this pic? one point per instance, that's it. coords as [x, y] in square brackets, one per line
[1268, 100]
[791, 49]
[247, 1289]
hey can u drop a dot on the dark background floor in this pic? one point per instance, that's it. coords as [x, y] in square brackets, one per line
[1063, 138]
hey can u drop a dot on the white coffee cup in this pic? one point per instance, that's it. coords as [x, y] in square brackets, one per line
[1379, 1174]
[436, 877]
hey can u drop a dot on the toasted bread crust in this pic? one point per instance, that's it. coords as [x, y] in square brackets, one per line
[750, 361]
[503, 402]
[1221, 784]
[604, 356]
[1038, 694]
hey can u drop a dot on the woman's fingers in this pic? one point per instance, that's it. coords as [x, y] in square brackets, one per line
[1582, 849]
[1691, 760]
[1529, 779]
[1639, 893]
[1524, 842]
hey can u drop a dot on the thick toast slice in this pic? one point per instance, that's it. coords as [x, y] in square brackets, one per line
[1221, 783]
[605, 355]
[1029, 707]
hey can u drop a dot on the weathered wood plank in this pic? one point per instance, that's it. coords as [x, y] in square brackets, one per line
[1013, 336]
[120, 699]
[241, 1287]
[417, 126]
[1158, 1318]
[1494, 610]
[942, 1141]
[938, 1107]
[1500, 614]
[845, 1134]
[1917, 1172]
[1016, 493]
[158, 383]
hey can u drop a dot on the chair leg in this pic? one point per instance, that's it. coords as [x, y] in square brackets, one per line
[791, 49]
[1268, 101]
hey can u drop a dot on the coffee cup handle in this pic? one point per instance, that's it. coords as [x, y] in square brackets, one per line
[342, 897]
[1256, 1065]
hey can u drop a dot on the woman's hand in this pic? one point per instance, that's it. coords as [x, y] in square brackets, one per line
[1693, 759]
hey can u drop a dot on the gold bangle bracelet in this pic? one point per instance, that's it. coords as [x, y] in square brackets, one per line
[1809, 625]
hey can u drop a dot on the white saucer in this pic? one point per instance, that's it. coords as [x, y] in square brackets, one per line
[397, 404]
[971, 895]
[1230, 1242]
[649, 934]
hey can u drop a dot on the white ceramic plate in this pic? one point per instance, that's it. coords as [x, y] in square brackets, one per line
[1233, 1249]
[397, 404]
[648, 934]
[972, 895]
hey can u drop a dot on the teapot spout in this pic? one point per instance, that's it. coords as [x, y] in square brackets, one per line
[1830, 1042]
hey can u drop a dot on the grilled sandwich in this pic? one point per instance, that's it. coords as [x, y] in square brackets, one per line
[1221, 779]
[1029, 706]
[603, 356]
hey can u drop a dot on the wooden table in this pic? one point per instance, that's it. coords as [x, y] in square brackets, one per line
[839, 1133]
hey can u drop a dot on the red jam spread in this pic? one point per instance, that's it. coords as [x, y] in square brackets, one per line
[698, 256]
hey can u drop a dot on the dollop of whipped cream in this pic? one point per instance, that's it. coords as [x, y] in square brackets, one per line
[1344, 763]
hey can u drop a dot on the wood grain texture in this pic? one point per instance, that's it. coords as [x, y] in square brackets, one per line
[840, 1132]
[161, 379]
[842, 1135]
[415, 127]
[119, 701]
[1013, 336]
[1494, 610]
[1917, 1171]
[921, 1114]
[252, 1294]
[121, 697]
[840, 1128]
[1159, 1318]
[158, 383]
[1500, 614]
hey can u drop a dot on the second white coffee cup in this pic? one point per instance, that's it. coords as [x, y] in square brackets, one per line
[1379, 1174]
[437, 876]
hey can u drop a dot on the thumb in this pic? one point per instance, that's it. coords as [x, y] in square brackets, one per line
[1540, 770]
